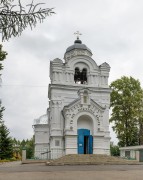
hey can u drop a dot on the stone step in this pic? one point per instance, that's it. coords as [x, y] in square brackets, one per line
[91, 159]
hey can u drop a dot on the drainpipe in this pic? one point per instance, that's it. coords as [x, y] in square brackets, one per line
[63, 129]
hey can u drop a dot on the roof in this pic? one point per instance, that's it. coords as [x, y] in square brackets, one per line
[41, 120]
[78, 45]
[131, 147]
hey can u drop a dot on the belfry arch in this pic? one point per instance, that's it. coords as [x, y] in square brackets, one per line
[80, 77]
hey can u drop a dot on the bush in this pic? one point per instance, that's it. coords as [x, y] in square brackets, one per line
[114, 150]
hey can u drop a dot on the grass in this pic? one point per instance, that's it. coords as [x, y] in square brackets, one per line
[8, 160]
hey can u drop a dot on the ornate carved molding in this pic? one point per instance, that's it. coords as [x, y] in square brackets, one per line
[96, 110]
[76, 52]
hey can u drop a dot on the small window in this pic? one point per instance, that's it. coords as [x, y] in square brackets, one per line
[127, 154]
[57, 143]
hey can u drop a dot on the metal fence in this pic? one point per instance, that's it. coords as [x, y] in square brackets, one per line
[57, 153]
[43, 154]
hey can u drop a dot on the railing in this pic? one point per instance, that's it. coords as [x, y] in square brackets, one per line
[42, 154]
[57, 153]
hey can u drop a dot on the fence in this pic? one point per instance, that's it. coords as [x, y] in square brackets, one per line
[57, 153]
[42, 154]
[45, 154]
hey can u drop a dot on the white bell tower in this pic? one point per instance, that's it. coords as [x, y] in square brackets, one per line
[79, 103]
[79, 100]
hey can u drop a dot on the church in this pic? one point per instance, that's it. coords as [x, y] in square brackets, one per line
[77, 120]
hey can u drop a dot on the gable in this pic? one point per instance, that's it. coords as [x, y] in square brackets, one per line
[77, 106]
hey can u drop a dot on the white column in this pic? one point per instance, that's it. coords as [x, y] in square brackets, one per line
[89, 79]
[92, 78]
[54, 76]
[71, 77]
[58, 74]
[66, 77]
[61, 77]
[95, 79]
[23, 154]
[102, 80]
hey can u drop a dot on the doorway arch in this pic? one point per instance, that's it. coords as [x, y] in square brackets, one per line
[84, 132]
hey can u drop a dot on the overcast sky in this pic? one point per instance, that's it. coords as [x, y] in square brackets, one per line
[112, 29]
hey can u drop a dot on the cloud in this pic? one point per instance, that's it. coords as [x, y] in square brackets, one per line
[111, 29]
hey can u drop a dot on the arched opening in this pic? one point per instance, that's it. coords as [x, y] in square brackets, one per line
[85, 138]
[77, 75]
[80, 77]
[84, 76]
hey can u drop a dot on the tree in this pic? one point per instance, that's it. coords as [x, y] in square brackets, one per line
[24, 144]
[30, 148]
[2, 57]
[127, 112]
[114, 150]
[6, 149]
[15, 18]
[1, 113]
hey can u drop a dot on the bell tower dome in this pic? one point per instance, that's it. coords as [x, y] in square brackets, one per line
[77, 49]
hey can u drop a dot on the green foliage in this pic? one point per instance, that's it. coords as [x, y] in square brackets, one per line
[2, 56]
[4, 160]
[30, 148]
[114, 150]
[8, 160]
[25, 144]
[6, 150]
[127, 113]
[15, 18]
[1, 113]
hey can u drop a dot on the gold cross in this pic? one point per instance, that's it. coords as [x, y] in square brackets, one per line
[77, 33]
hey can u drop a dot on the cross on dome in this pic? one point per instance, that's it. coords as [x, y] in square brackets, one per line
[77, 33]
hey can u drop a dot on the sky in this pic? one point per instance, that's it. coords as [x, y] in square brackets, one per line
[112, 29]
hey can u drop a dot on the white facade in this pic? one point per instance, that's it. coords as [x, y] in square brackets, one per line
[79, 100]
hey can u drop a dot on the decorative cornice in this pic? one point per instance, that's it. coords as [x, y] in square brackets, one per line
[76, 52]
[76, 87]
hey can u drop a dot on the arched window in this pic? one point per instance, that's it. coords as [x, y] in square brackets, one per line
[80, 77]
[84, 76]
[77, 75]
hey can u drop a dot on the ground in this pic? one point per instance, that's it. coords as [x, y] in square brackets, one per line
[14, 171]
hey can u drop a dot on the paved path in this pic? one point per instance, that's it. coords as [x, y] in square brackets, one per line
[16, 171]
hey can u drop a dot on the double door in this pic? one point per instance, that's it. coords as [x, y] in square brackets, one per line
[85, 142]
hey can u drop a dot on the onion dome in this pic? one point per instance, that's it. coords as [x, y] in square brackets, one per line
[78, 45]
[77, 49]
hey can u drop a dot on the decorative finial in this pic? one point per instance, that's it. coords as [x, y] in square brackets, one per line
[77, 33]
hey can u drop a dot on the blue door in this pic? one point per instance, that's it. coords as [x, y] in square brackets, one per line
[90, 144]
[85, 142]
[80, 144]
